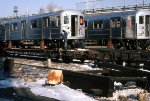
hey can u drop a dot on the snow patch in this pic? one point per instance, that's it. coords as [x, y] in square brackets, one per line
[60, 92]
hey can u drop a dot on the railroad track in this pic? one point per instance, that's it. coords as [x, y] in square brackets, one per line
[58, 54]
[132, 58]
[99, 84]
[125, 71]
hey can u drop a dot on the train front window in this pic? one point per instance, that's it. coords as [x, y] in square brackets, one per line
[141, 19]
[34, 24]
[147, 19]
[66, 19]
[58, 21]
[53, 21]
[81, 20]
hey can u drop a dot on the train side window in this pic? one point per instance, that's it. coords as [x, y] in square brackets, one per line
[34, 24]
[113, 23]
[141, 19]
[6, 27]
[118, 22]
[97, 24]
[46, 22]
[66, 20]
[14, 26]
[81, 20]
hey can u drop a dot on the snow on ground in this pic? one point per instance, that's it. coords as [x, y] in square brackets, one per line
[60, 92]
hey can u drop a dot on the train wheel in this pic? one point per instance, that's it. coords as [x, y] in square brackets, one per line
[82, 60]
[68, 46]
[67, 59]
[117, 46]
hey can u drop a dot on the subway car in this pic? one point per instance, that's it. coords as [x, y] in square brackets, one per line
[62, 29]
[126, 29]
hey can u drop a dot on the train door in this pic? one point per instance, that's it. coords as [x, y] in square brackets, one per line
[74, 25]
[130, 31]
[86, 28]
[1, 32]
[140, 26]
[7, 32]
[23, 29]
[115, 27]
[147, 29]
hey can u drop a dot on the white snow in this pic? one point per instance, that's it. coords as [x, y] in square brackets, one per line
[60, 92]
[87, 67]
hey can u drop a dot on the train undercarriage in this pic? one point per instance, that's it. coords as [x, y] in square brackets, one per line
[50, 44]
[126, 44]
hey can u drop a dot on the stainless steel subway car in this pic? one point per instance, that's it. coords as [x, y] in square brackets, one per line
[128, 29]
[52, 30]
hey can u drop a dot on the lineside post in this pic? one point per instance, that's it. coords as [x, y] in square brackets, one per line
[49, 63]
[8, 66]
[109, 44]
[42, 44]
[9, 44]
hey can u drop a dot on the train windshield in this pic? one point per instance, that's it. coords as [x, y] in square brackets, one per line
[141, 19]
[66, 19]
[147, 19]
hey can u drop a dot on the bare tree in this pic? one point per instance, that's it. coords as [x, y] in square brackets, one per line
[42, 10]
[53, 7]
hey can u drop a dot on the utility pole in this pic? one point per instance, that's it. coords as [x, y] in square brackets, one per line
[124, 3]
[93, 4]
[27, 9]
[113, 6]
[143, 3]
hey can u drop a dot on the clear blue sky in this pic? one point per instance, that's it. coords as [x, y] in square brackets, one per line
[6, 6]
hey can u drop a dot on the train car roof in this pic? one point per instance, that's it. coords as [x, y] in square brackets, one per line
[32, 17]
[113, 14]
[39, 16]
